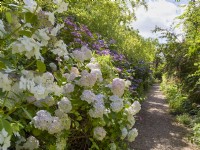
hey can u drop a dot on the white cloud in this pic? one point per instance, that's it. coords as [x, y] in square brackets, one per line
[160, 13]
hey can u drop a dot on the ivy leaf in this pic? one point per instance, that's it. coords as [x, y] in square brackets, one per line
[41, 66]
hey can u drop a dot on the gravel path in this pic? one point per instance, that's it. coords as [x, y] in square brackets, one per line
[157, 128]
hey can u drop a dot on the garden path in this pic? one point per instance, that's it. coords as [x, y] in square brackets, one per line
[157, 128]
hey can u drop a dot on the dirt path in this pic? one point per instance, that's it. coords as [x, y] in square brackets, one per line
[157, 129]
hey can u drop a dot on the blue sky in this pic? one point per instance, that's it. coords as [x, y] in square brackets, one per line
[160, 13]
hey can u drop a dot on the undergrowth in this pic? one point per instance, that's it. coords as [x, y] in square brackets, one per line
[186, 111]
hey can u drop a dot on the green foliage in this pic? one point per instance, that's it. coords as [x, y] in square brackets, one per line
[184, 119]
[41, 66]
[107, 66]
[110, 19]
[180, 62]
[178, 102]
[44, 75]
[4, 124]
[196, 134]
[187, 112]
[181, 58]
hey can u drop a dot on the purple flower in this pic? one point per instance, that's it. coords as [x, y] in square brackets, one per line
[138, 80]
[98, 52]
[129, 70]
[70, 23]
[86, 30]
[67, 21]
[90, 34]
[96, 46]
[119, 69]
[133, 87]
[105, 52]
[77, 40]
[101, 42]
[84, 43]
[76, 34]
[118, 57]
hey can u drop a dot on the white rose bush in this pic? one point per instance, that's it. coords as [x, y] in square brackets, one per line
[54, 95]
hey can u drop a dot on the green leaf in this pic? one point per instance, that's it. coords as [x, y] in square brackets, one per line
[77, 124]
[27, 113]
[26, 33]
[94, 144]
[127, 105]
[36, 132]
[52, 147]
[30, 17]
[2, 65]
[15, 127]
[41, 66]
[9, 17]
[79, 118]
[6, 125]
[61, 80]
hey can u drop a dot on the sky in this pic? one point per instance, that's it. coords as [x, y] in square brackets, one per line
[160, 13]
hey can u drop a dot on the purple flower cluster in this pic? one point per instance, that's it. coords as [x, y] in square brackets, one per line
[86, 30]
[76, 34]
[137, 73]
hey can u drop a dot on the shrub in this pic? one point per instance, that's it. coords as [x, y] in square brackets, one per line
[196, 134]
[53, 97]
[184, 119]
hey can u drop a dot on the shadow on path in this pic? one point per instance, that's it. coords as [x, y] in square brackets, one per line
[157, 129]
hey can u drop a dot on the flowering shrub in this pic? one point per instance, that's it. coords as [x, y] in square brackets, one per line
[138, 73]
[53, 95]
